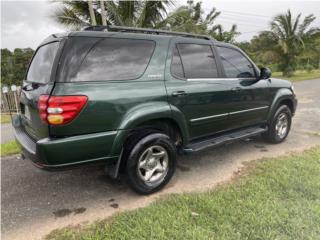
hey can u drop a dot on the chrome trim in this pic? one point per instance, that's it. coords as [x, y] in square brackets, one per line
[249, 110]
[214, 79]
[226, 114]
[208, 117]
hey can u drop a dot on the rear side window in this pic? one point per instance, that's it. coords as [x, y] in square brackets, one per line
[41, 65]
[197, 61]
[116, 59]
[235, 64]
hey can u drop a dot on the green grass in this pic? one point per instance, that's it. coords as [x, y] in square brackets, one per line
[9, 148]
[299, 75]
[5, 118]
[273, 199]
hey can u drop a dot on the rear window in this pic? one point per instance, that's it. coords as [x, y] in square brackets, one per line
[115, 59]
[41, 65]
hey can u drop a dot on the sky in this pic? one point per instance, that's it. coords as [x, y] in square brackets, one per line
[26, 23]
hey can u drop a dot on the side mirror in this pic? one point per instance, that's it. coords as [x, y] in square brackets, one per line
[265, 73]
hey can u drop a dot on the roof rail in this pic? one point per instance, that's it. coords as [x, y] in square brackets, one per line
[142, 30]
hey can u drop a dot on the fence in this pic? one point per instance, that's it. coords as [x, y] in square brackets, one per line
[10, 99]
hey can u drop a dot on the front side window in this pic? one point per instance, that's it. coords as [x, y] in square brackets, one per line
[42, 62]
[197, 61]
[235, 64]
[116, 59]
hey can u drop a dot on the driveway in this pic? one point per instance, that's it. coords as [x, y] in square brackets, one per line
[35, 202]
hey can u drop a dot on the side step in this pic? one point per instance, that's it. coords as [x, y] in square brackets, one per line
[229, 137]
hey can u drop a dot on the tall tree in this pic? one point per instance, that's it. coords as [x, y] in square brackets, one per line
[290, 34]
[14, 65]
[76, 14]
[92, 16]
[103, 13]
[191, 18]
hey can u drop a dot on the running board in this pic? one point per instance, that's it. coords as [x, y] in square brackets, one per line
[229, 137]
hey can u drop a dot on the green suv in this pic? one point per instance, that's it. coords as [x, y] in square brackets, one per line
[132, 99]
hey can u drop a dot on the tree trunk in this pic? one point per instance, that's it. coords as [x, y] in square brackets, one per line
[92, 16]
[103, 13]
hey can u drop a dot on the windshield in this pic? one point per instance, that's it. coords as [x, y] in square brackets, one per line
[42, 62]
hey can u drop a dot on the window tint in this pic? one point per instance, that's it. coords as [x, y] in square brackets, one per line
[235, 64]
[116, 59]
[198, 61]
[176, 65]
[42, 62]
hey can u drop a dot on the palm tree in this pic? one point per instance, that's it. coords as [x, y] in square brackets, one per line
[92, 16]
[76, 14]
[103, 13]
[291, 34]
[190, 19]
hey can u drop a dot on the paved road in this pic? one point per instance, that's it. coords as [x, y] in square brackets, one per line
[34, 202]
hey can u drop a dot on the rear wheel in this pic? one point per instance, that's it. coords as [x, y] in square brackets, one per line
[151, 163]
[280, 125]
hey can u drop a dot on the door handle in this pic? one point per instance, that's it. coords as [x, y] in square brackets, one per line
[179, 94]
[236, 89]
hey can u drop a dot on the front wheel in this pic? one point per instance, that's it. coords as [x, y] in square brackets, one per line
[151, 163]
[280, 125]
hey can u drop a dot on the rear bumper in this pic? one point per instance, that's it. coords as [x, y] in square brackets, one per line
[62, 153]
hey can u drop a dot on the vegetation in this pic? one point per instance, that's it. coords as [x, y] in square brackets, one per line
[153, 14]
[5, 118]
[76, 14]
[191, 19]
[299, 75]
[14, 65]
[289, 44]
[275, 199]
[9, 148]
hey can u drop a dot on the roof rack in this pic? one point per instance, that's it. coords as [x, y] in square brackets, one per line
[142, 30]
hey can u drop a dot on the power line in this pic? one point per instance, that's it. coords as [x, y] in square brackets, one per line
[243, 13]
[244, 21]
[239, 24]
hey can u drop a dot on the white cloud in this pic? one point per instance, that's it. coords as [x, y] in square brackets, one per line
[27, 23]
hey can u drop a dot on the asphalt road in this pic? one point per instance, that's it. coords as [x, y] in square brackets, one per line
[34, 202]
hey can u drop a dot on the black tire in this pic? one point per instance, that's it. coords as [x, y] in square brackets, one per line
[134, 174]
[273, 135]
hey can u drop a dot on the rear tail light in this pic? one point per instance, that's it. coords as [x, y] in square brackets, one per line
[57, 110]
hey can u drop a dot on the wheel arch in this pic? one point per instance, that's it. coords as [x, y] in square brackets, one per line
[282, 97]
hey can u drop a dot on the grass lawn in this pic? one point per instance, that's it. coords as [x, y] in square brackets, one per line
[299, 75]
[273, 199]
[5, 118]
[9, 148]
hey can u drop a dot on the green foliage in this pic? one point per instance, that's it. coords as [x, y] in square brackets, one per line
[276, 199]
[299, 75]
[290, 43]
[5, 118]
[9, 148]
[150, 14]
[14, 65]
[192, 20]
[75, 14]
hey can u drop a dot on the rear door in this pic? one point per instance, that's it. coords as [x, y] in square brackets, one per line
[39, 81]
[194, 86]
